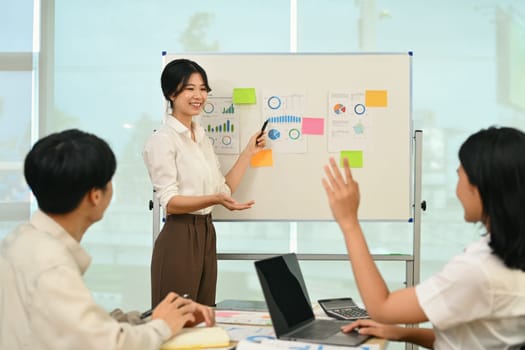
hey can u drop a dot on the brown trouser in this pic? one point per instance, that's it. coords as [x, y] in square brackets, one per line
[185, 259]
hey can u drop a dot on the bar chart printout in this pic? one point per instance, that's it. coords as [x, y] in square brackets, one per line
[221, 124]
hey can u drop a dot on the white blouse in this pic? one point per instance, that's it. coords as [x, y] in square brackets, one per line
[475, 302]
[179, 166]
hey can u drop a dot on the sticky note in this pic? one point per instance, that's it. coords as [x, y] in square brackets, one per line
[313, 126]
[263, 158]
[244, 96]
[355, 158]
[376, 98]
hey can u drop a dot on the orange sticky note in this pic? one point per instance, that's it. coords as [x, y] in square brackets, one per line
[263, 158]
[376, 98]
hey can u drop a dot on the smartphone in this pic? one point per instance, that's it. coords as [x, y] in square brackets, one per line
[342, 309]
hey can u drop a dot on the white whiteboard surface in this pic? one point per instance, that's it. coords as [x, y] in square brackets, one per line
[291, 189]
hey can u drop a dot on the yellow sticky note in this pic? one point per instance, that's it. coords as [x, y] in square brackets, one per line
[355, 158]
[263, 158]
[376, 98]
[244, 96]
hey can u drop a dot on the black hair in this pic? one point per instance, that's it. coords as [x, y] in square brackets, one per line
[494, 161]
[62, 167]
[175, 77]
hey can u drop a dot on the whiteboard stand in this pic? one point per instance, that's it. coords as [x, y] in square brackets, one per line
[414, 267]
[419, 205]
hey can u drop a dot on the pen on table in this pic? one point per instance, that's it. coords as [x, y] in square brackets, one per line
[262, 130]
[148, 313]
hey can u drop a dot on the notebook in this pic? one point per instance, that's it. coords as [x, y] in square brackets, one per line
[289, 305]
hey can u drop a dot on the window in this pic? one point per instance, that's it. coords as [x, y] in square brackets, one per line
[16, 112]
[103, 62]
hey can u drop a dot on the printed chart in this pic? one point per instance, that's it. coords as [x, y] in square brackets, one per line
[221, 124]
[351, 118]
[285, 113]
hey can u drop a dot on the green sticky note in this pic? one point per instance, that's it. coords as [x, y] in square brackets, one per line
[355, 158]
[244, 96]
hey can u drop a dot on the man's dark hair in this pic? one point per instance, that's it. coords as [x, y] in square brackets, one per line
[62, 167]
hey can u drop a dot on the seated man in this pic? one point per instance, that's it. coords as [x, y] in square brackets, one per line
[44, 303]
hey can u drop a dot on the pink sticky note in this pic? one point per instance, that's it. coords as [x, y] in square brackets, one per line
[313, 126]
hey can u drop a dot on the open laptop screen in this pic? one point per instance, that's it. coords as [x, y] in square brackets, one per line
[285, 292]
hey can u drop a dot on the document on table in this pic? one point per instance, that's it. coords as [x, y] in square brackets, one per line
[249, 333]
[243, 317]
[271, 344]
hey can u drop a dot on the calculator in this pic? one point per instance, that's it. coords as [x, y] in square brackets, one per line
[342, 309]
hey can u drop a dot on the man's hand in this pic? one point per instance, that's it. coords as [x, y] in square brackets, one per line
[176, 311]
[204, 314]
[179, 312]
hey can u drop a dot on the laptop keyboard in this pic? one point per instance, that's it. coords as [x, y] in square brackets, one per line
[317, 330]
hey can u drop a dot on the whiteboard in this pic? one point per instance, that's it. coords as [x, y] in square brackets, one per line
[359, 103]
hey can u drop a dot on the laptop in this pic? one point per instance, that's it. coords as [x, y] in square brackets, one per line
[290, 309]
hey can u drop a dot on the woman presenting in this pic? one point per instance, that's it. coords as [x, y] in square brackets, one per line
[185, 174]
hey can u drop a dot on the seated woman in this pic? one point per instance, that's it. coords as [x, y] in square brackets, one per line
[478, 300]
